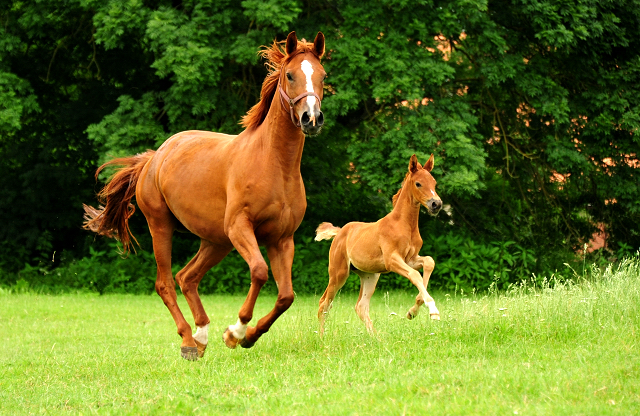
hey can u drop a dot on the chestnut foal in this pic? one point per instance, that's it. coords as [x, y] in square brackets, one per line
[391, 244]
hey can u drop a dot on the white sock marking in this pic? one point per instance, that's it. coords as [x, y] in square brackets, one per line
[238, 330]
[202, 334]
[432, 308]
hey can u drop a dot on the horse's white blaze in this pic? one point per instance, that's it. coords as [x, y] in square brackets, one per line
[433, 192]
[308, 71]
[202, 334]
[238, 330]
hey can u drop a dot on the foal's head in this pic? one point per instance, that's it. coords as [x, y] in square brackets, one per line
[422, 185]
[302, 74]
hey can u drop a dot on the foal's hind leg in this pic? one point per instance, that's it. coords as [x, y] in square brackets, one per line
[189, 278]
[338, 274]
[368, 282]
[427, 265]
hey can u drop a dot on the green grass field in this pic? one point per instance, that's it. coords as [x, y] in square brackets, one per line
[568, 350]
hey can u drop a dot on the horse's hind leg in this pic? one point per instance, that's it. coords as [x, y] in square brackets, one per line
[165, 286]
[189, 278]
[427, 264]
[162, 224]
[338, 274]
[368, 282]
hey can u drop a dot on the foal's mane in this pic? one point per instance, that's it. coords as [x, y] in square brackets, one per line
[394, 200]
[276, 59]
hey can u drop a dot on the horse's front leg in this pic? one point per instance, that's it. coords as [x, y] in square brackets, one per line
[281, 258]
[243, 238]
[427, 264]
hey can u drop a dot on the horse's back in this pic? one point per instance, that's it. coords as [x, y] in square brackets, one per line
[189, 176]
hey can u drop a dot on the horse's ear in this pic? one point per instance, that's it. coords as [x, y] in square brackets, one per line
[429, 165]
[292, 43]
[318, 44]
[414, 165]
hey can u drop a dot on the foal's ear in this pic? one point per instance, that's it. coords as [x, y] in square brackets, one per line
[292, 43]
[318, 44]
[414, 165]
[429, 165]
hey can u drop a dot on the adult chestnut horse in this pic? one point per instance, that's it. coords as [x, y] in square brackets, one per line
[391, 244]
[241, 191]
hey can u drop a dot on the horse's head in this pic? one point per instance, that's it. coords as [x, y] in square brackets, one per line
[302, 81]
[423, 186]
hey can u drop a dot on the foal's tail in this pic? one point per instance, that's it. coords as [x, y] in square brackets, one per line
[112, 217]
[326, 231]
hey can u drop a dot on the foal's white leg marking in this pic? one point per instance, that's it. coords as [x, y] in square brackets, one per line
[202, 334]
[311, 100]
[238, 330]
[432, 308]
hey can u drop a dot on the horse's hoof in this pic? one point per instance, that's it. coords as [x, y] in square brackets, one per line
[246, 344]
[435, 316]
[201, 347]
[229, 340]
[189, 353]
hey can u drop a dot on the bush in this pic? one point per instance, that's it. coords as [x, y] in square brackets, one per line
[461, 263]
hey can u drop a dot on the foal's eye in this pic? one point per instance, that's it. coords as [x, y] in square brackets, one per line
[418, 185]
[289, 76]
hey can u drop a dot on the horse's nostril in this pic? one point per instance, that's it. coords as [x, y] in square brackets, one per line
[305, 118]
[320, 119]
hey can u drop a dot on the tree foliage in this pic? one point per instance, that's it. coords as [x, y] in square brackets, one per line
[531, 108]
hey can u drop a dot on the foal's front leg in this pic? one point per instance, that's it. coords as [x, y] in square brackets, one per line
[396, 263]
[368, 282]
[427, 264]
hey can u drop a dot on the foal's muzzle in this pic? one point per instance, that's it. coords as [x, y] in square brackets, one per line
[433, 206]
[311, 124]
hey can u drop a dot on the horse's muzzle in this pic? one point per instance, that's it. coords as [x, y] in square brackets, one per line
[433, 206]
[311, 124]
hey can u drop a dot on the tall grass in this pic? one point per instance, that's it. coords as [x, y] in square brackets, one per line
[560, 347]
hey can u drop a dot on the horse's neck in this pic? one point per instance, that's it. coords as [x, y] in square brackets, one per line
[407, 209]
[283, 141]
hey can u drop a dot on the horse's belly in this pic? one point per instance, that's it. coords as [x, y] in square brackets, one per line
[280, 223]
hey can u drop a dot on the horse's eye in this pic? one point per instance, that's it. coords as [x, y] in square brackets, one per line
[418, 185]
[289, 76]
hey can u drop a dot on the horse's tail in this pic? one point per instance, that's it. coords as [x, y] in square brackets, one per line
[326, 231]
[112, 217]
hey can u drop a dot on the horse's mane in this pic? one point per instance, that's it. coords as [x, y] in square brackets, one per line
[394, 200]
[276, 59]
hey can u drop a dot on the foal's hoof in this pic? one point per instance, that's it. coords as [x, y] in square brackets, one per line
[246, 344]
[229, 340]
[201, 348]
[435, 316]
[189, 353]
